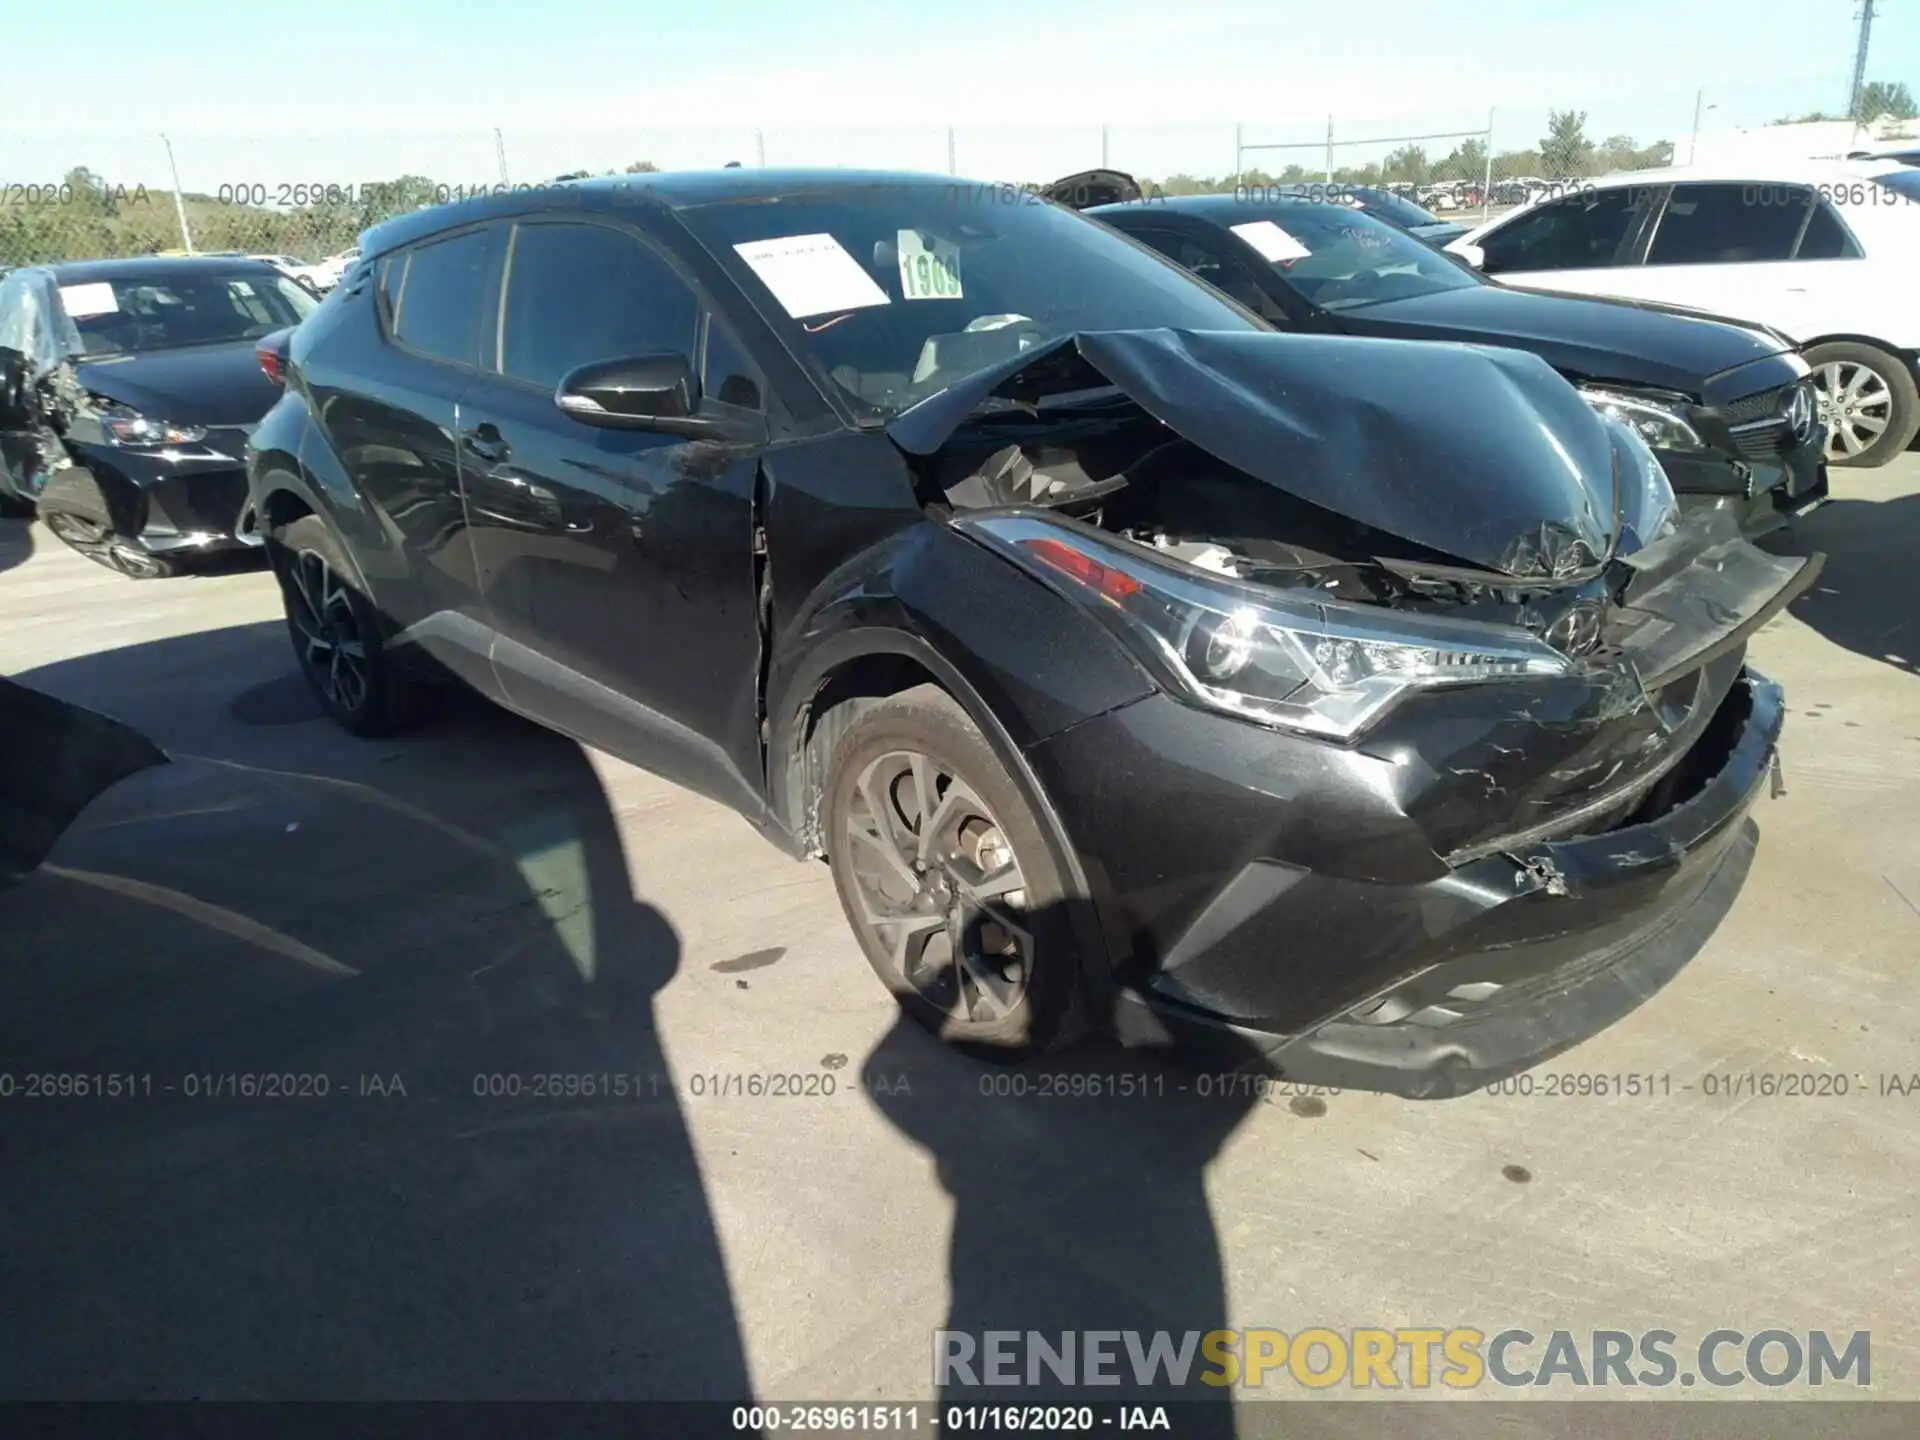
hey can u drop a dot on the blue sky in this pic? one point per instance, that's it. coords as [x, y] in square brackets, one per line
[350, 90]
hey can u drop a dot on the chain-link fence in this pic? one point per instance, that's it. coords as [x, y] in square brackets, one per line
[308, 197]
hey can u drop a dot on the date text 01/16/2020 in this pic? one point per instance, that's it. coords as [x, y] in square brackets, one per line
[1711, 1084]
[201, 1085]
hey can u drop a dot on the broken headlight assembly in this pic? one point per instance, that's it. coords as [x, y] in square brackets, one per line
[1324, 668]
[1659, 420]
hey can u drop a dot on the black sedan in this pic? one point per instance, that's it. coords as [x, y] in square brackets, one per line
[127, 391]
[1727, 406]
[1134, 666]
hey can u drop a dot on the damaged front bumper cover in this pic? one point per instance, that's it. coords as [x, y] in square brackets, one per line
[1522, 954]
[116, 505]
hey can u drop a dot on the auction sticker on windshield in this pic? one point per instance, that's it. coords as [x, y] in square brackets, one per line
[928, 271]
[80, 301]
[811, 274]
[1271, 241]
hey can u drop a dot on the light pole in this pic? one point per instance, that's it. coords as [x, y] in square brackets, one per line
[1700, 107]
[179, 201]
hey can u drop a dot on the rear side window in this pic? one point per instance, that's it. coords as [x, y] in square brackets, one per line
[1826, 237]
[437, 309]
[1583, 231]
[1729, 224]
[579, 293]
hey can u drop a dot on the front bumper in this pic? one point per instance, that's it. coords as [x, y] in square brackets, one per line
[1761, 492]
[1371, 974]
[183, 503]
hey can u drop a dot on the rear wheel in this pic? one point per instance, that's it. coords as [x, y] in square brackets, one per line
[1867, 400]
[339, 638]
[947, 880]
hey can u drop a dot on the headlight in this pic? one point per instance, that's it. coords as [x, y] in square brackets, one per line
[1661, 423]
[1314, 665]
[128, 427]
[1648, 502]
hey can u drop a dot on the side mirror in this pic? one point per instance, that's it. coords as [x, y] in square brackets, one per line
[15, 410]
[1472, 254]
[647, 392]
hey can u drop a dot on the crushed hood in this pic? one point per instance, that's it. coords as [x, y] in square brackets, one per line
[1486, 455]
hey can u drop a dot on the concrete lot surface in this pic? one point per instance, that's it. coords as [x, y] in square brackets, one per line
[409, 924]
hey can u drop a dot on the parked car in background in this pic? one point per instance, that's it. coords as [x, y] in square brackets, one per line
[326, 273]
[293, 268]
[1132, 665]
[1826, 254]
[1905, 152]
[130, 389]
[1726, 407]
[1420, 223]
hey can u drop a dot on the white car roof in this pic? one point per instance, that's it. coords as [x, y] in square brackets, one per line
[1752, 172]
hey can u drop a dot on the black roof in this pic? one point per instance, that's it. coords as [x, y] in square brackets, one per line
[134, 267]
[666, 189]
[1222, 209]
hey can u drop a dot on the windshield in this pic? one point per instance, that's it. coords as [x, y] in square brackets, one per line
[1340, 259]
[135, 313]
[898, 291]
[1904, 183]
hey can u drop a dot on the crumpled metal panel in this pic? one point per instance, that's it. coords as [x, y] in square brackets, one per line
[1483, 454]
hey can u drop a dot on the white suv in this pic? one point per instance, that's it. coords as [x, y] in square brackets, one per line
[1824, 253]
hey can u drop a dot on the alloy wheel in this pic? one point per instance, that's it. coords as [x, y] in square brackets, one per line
[938, 886]
[320, 607]
[1855, 404]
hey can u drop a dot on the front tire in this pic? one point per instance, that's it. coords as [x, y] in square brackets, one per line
[339, 639]
[1867, 398]
[945, 875]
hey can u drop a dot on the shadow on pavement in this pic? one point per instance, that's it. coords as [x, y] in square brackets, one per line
[1868, 597]
[16, 543]
[1080, 1205]
[362, 1092]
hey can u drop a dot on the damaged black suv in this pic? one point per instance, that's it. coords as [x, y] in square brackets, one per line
[1134, 666]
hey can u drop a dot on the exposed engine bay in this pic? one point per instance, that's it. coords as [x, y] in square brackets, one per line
[1136, 479]
[1455, 482]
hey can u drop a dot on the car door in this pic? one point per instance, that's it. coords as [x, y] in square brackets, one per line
[618, 565]
[1583, 242]
[389, 414]
[1729, 248]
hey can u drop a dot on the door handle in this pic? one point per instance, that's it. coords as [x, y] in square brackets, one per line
[484, 442]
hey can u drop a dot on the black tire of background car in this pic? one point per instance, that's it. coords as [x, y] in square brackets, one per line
[928, 721]
[1898, 377]
[393, 698]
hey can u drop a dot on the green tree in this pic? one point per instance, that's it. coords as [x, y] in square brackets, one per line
[1466, 161]
[1566, 150]
[1884, 98]
[1812, 117]
[1409, 163]
[643, 167]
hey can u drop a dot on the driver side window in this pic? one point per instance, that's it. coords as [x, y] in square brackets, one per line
[577, 293]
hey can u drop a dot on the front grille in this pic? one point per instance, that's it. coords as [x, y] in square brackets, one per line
[1759, 422]
[1764, 443]
[1756, 407]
